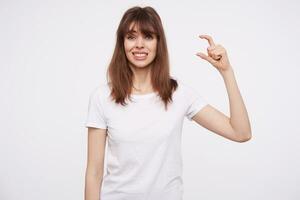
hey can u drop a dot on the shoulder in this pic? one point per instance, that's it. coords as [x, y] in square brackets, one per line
[100, 91]
[185, 88]
[189, 93]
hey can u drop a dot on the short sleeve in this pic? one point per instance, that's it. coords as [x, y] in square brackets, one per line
[195, 102]
[95, 115]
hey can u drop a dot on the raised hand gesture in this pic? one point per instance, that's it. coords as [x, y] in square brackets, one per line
[217, 55]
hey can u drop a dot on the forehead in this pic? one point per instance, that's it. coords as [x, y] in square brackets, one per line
[140, 28]
[133, 28]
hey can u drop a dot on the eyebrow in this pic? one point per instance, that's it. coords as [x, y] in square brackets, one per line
[132, 32]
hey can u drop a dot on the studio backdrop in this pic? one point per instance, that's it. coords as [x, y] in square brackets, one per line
[54, 53]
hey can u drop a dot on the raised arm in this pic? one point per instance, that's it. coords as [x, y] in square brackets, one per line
[237, 126]
[95, 163]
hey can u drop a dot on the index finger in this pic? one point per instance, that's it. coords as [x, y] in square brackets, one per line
[208, 38]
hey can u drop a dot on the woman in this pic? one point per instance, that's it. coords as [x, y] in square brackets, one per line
[141, 112]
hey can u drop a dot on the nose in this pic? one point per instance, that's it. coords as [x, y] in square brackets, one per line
[139, 42]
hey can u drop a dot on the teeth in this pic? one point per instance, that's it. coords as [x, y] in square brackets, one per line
[140, 54]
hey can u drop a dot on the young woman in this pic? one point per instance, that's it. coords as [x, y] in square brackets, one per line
[141, 111]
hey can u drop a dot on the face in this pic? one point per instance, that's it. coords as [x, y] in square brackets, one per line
[140, 49]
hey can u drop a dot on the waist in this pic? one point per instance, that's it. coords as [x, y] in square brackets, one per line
[173, 191]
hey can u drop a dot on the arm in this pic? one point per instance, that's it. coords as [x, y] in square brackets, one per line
[237, 126]
[95, 162]
[239, 119]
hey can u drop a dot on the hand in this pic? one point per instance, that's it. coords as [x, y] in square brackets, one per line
[217, 55]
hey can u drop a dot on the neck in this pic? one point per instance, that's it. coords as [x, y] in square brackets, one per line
[142, 80]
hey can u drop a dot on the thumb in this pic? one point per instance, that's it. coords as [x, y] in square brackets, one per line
[205, 57]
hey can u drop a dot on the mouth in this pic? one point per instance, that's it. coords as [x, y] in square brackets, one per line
[140, 55]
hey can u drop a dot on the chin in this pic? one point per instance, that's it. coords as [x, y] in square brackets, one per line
[140, 64]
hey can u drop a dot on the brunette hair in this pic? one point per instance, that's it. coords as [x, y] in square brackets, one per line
[119, 72]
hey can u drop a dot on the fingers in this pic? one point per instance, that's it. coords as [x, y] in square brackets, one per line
[208, 38]
[205, 57]
[215, 53]
[211, 50]
[213, 56]
[216, 57]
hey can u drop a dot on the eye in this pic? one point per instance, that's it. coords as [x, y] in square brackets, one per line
[149, 37]
[129, 37]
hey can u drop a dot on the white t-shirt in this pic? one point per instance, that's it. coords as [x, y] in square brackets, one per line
[144, 160]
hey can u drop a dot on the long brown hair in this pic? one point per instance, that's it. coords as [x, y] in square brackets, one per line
[119, 72]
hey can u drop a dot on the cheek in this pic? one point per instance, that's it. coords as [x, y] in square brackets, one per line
[128, 46]
[127, 50]
[155, 44]
[154, 49]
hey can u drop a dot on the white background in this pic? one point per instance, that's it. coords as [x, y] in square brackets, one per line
[54, 53]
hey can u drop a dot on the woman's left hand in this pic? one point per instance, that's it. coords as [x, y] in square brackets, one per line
[217, 55]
